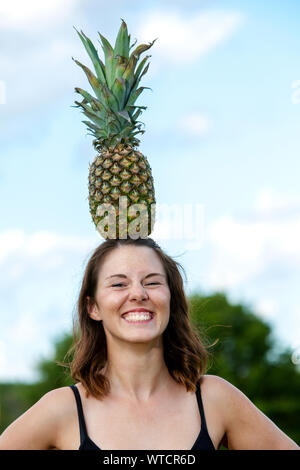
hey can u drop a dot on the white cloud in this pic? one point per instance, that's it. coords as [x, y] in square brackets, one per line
[3, 355]
[269, 202]
[38, 252]
[182, 38]
[2, 92]
[194, 124]
[25, 330]
[267, 307]
[237, 251]
[244, 248]
[10, 242]
[39, 81]
[41, 242]
[24, 15]
[36, 63]
[256, 258]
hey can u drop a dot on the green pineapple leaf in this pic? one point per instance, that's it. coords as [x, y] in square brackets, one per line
[90, 99]
[110, 61]
[142, 48]
[133, 44]
[128, 74]
[92, 52]
[133, 97]
[138, 132]
[92, 126]
[125, 115]
[110, 98]
[93, 115]
[94, 82]
[136, 115]
[122, 41]
[121, 65]
[139, 73]
[119, 90]
[112, 111]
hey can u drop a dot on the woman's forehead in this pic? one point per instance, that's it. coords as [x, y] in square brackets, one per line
[131, 259]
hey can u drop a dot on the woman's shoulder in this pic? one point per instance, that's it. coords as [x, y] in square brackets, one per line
[221, 395]
[224, 394]
[57, 396]
[59, 399]
[57, 404]
[216, 386]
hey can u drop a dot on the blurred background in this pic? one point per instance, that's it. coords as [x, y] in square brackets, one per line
[222, 133]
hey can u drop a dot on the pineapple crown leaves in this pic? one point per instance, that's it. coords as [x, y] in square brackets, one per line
[112, 111]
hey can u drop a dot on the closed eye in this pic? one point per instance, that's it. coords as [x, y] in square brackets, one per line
[149, 284]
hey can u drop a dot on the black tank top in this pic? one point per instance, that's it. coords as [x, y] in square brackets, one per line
[203, 441]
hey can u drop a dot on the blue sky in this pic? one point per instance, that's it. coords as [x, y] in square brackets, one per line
[222, 131]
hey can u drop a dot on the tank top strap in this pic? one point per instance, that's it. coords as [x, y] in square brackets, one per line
[82, 426]
[201, 409]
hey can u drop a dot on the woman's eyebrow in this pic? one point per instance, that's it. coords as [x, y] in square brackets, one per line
[124, 275]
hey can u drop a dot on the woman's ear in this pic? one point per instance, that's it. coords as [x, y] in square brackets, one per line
[93, 310]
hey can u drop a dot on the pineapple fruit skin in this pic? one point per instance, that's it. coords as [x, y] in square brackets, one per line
[121, 172]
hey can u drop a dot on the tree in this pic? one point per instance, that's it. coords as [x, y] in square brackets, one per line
[52, 375]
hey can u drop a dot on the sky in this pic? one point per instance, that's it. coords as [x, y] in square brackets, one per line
[221, 135]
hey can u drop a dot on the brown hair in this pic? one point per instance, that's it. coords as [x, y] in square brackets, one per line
[185, 354]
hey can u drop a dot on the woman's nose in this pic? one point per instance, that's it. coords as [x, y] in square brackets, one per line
[138, 292]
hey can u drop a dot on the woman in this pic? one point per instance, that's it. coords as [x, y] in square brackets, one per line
[139, 365]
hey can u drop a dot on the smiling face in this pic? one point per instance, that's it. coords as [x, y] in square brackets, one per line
[130, 278]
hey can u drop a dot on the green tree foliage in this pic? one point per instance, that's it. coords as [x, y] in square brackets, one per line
[13, 402]
[52, 375]
[246, 354]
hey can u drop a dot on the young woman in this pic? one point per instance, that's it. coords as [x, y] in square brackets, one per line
[139, 364]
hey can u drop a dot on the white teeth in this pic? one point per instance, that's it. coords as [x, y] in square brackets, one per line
[138, 316]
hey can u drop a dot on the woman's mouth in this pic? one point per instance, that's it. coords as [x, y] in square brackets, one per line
[138, 317]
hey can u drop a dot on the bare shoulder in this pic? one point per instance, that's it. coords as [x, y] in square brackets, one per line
[214, 383]
[59, 396]
[246, 426]
[37, 427]
[56, 403]
[219, 389]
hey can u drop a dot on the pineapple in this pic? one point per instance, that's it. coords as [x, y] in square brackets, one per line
[121, 187]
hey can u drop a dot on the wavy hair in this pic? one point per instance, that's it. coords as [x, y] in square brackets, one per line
[185, 352]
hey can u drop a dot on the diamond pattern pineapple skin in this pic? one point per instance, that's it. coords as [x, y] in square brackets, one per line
[116, 172]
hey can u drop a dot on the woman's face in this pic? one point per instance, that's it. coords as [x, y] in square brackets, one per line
[132, 278]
